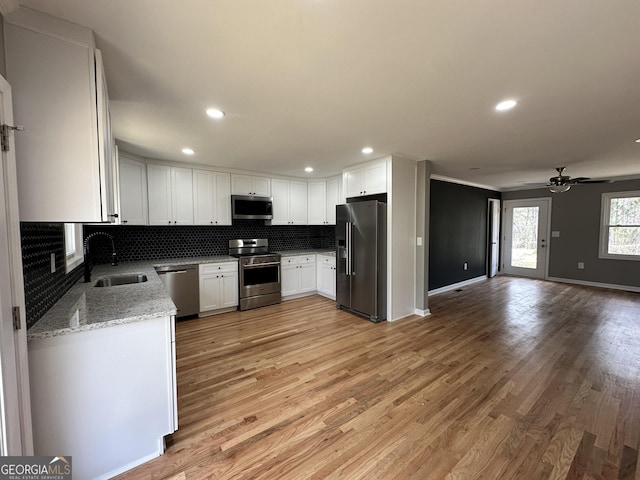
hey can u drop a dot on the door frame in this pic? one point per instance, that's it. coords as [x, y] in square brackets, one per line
[17, 429]
[546, 238]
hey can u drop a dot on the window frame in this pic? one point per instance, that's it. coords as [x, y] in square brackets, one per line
[605, 214]
[74, 257]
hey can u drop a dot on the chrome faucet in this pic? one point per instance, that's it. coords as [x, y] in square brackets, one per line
[85, 251]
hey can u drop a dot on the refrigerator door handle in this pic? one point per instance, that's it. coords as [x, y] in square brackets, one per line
[348, 235]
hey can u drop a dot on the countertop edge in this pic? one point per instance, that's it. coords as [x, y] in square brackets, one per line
[99, 325]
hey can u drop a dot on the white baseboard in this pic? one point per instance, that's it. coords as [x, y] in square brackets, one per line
[422, 313]
[129, 466]
[298, 295]
[613, 286]
[454, 286]
[209, 313]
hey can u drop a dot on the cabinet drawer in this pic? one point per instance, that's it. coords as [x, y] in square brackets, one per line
[207, 268]
[306, 259]
[289, 261]
[326, 260]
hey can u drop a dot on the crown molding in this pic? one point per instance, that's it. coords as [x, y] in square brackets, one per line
[464, 182]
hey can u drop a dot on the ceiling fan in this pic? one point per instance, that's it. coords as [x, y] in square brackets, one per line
[562, 183]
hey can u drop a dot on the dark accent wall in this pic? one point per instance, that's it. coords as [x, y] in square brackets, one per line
[457, 232]
[576, 216]
[42, 289]
[135, 243]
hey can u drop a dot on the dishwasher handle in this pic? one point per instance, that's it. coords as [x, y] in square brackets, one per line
[176, 269]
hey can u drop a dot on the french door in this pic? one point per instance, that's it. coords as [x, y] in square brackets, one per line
[526, 237]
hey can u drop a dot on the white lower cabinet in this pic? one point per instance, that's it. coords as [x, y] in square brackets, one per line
[326, 276]
[105, 396]
[218, 287]
[298, 274]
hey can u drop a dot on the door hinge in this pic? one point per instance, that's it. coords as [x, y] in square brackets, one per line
[5, 135]
[17, 325]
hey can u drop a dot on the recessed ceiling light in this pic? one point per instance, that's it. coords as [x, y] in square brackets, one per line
[188, 151]
[308, 169]
[215, 113]
[367, 150]
[638, 140]
[506, 105]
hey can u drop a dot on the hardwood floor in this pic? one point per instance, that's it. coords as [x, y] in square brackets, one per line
[508, 378]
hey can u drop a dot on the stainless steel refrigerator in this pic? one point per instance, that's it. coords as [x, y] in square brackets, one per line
[361, 259]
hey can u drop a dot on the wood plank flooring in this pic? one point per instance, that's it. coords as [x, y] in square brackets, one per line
[508, 378]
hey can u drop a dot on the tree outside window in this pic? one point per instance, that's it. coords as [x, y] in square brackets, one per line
[620, 231]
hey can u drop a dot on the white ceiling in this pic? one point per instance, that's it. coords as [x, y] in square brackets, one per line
[311, 82]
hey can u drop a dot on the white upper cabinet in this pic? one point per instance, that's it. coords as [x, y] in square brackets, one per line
[364, 180]
[59, 95]
[211, 198]
[170, 195]
[317, 205]
[250, 185]
[289, 202]
[133, 192]
[323, 198]
[334, 198]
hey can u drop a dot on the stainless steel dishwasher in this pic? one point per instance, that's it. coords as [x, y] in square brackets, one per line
[181, 281]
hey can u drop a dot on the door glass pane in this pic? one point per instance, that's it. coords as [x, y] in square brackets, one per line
[524, 246]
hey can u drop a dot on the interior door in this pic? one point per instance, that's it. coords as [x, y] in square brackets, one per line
[526, 230]
[494, 237]
[15, 416]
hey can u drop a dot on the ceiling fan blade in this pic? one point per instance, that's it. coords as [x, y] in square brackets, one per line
[580, 181]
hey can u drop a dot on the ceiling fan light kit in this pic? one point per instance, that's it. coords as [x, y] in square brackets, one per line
[562, 183]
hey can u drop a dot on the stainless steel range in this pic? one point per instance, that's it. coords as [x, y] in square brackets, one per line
[259, 272]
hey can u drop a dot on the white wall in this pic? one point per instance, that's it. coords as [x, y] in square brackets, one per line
[401, 232]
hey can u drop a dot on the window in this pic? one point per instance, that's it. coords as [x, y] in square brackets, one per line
[620, 227]
[73, 245]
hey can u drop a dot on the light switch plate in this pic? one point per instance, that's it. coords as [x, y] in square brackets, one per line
[555, 233]
[419, 241]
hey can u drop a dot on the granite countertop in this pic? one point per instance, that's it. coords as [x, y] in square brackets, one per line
[85, 307]
[193, 260]
[289, 253]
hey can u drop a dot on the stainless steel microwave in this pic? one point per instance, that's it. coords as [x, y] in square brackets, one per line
[249, 207]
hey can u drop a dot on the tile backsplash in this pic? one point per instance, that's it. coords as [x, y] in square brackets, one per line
[42, 289]
[134, 243]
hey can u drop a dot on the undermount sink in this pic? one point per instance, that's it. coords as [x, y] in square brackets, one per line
[126, 279]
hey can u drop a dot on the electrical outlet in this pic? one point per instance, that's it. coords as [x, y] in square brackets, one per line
[466, 266]
[53, 263]
[580, 265]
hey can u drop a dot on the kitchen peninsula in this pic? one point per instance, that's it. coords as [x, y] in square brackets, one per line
[102, 368]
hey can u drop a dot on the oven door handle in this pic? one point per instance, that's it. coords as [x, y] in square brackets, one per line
[258, 265]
